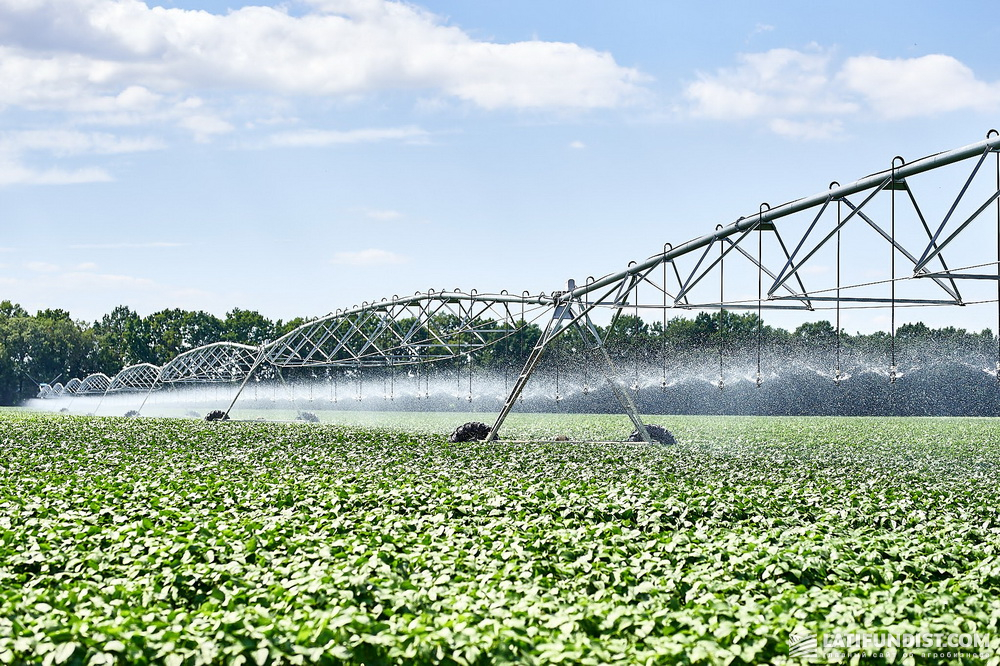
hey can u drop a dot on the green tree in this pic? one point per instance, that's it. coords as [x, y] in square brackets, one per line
[114, 336]
[815, 331]
[248, 327]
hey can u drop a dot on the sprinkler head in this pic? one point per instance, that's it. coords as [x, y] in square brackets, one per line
[586, 389]
[635, 386]
[663, 384]
[721, 384]
[558, 397]
[760, 380]
[893, 373]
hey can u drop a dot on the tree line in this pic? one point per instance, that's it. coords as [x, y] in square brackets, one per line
[51, 346]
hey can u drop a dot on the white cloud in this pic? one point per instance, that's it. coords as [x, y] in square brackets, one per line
[807, 95]
[923, 86]
[321, 138]
[577, 145]
[121, 55]
[370, 257]
[778, 82]
[87, 266]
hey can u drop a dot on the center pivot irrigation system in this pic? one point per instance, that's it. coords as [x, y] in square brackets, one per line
[911, 235]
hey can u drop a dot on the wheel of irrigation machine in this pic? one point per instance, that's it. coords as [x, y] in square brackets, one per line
[656, 433]
[470, 432]
[217, 415]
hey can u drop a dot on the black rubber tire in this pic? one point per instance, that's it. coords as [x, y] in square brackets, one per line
[131, 413]
[656, 433]
[217, 415]
[472, 431]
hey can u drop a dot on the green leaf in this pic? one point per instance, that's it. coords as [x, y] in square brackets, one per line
[64, 651]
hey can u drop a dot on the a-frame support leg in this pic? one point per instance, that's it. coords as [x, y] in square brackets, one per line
[553, 330]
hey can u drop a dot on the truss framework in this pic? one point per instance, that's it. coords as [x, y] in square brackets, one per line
[97, 383]
[422, 328]
[216, 362]
[138, 377]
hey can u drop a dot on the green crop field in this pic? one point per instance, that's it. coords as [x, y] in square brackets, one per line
[168, 541]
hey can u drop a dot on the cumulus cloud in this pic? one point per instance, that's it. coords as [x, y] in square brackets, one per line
[922, 86]
[370, 257]
[809, 93]
[773, 83]
[122, 56]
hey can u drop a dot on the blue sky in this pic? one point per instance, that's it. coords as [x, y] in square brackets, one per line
[297, 157]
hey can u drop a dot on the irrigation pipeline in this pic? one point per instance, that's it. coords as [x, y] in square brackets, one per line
[874, 181]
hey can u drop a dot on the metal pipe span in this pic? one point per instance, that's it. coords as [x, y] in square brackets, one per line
[751, 221]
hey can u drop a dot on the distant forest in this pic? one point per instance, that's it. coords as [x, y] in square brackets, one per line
[51, 346]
